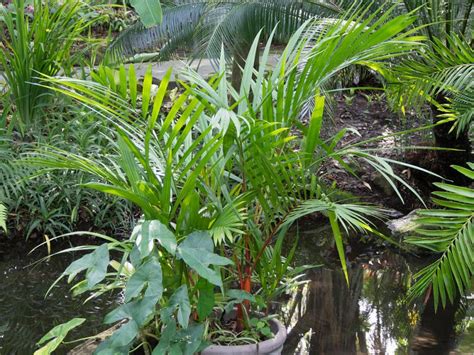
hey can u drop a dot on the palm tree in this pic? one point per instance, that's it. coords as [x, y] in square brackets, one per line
[234, 167]
[209, 25]
[441, 74]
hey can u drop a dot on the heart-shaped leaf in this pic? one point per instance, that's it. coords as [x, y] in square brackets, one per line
[95, 263]
[197, 251]
[148, 275]
[148, 231]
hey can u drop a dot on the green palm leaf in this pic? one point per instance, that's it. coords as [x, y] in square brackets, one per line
[206, 24]
[450, 232]
[444, 70]
[3, 217]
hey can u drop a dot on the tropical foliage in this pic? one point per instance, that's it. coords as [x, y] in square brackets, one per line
[220, 172]
[206, 25]
[34, 47]
[448, 231]
[189, 194]
[439, 74]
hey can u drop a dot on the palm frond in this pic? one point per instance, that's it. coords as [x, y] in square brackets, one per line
[442, 70]
[3, 217]
[206, 25]
[175, 31]
[460, 109]
[450, 232]
[442, 17]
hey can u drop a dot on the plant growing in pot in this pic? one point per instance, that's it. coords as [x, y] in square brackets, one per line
[219, 179]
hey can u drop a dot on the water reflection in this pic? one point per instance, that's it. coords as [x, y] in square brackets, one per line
[370, 316]
[25, 315]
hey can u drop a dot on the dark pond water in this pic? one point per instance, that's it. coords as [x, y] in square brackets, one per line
[26, 315]
[371, 316]
[324, 316]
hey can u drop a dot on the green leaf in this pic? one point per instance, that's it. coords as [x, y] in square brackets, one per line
[139, 311]
[148, 275]
[57, 335]
[168, 334]
[178, 301]
[465, 171]
[339, 242]
[3, 217]
[186, 341]
[206, 298]
[149, 11]
[450, 233]
[312, 138]
[148, 231]
[460, 190]
[197, 251]
[194, 337]
[120, 341]
[96, 264]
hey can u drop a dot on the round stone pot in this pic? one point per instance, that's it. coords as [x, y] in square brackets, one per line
[272, 346]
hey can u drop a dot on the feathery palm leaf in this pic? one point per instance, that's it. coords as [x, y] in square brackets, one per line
[441, 18]
[154, 170]
[450, 232]
[3, 217]
[447, 70]
[206, 24]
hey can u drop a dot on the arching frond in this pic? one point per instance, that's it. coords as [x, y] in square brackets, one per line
[443, 17]
[207, 24]
[3, 217]
[450, 232]
[443, 69]
[175, 31]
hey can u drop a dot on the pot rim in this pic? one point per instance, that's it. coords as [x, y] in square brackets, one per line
[263, 347]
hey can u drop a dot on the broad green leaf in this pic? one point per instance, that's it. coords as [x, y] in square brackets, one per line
[120, 341]
[57, 335]
[95, 263]
[197, 251]
[137, 311]
[168, 334]
[178, 301]
[154, 230]
[171, 340]
[194, 335]
[148, 275]
[149, 11]
[206, 298]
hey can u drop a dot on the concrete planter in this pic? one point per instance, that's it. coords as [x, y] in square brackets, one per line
[272, 346]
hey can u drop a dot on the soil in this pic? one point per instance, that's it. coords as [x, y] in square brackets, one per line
[367, 115]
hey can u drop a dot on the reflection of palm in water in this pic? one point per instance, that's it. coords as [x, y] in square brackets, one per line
[436, 331]
[331, 311]
[370, 316]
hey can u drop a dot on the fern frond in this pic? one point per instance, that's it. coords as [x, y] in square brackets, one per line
[449, 231]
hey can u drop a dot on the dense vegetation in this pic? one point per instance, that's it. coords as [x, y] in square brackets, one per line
[184, 195]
